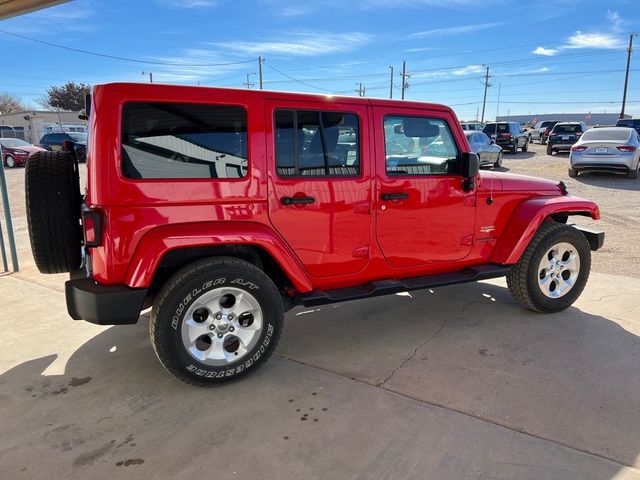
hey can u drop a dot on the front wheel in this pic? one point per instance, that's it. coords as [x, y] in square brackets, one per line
[216, 320]
[549, 150]
[498, 163]
[553, 270]
[525, 147]
[9, 161]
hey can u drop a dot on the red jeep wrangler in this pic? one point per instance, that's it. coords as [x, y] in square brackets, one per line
[223, 208]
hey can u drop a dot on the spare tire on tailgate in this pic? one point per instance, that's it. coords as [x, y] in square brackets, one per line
[52, 188]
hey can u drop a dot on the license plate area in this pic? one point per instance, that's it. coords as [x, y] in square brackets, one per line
[565, 137]
[602, 150]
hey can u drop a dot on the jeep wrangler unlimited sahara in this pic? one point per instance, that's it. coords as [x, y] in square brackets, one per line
[222, 208]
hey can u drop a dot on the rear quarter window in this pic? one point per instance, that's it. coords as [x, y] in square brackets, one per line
[173, 141]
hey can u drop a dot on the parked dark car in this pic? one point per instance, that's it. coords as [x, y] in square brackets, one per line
[564, 135]
[509, 135]
[15, 152]
[488, 152]
[72, 142]
[629, 122]
[541, 131]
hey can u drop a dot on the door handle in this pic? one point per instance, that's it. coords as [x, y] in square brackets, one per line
[394, 196]
[297, 200]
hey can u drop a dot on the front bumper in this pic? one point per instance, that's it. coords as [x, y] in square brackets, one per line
[103, 304]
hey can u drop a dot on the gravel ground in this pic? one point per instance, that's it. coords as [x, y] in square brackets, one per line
[617, 196]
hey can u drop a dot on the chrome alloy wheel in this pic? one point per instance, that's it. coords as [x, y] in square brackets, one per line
[558, 270]
[222, 326]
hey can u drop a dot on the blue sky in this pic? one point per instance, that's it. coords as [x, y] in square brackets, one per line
[560, 56]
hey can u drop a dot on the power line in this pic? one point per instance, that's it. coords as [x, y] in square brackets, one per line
[295, 79]
[124, 59]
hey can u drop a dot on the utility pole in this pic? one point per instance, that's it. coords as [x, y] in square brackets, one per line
[150, 76]
[498, 106]
[626, 76]
[260, 60]
[404, 76]
[486, 86]
[248, 83]
[391, 87]
[360, 89]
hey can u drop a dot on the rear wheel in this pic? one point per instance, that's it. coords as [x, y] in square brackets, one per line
[525, 147]
[553, 270]
[53, 199]
[633, 174]
[573, 173]
[549, 150]
[216, 320]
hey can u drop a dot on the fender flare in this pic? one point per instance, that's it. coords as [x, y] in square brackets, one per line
[156, 243]
[527, 218]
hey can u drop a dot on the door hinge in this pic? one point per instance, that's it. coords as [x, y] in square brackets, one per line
[361, 252]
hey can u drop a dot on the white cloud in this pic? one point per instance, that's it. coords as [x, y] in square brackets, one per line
[593, 40]
[299, 44]
[548, 52]
[615, 19]
[439, 32]
[469, 70]
[458, 72]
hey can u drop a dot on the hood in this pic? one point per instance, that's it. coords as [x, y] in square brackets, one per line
[31, 149]
[26, 148]
[510, 182]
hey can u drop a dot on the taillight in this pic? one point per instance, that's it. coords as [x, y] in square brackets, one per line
[578, 148]
[91, 223]
[578, 134]
[547, 131]
[505, 135]
[67, 146]
[626, 148]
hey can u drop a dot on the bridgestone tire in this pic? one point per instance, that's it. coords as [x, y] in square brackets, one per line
[190, 285]
[522, 280]
[52, 189]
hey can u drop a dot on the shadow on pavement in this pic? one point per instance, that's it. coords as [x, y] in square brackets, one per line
[608, 180]
[572, 377]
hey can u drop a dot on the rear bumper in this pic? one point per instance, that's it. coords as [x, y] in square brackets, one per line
[583, 166]
[103, 304]
[561, 146]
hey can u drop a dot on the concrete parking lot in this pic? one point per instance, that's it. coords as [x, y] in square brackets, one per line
[457, 382]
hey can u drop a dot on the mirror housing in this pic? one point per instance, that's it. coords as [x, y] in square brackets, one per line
[470, 169]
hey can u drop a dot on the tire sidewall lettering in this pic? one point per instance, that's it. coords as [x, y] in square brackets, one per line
[220, 372]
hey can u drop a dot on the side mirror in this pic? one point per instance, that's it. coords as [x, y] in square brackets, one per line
[470, 168]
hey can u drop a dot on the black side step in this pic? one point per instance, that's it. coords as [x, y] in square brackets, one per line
[386, 287]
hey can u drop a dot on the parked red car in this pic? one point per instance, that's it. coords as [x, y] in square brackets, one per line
[15, 151]
[224, 208]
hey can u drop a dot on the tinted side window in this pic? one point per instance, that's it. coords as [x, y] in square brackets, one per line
[419, 146]
[317, 144]
[170, 140]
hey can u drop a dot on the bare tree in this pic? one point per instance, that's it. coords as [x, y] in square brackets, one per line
[69, 96]
[10, 104]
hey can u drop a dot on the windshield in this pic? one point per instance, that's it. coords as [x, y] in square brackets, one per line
[78, 137]
[491, 129]
[567, 128]
[14, 142]
[547, 124]
[615, 135]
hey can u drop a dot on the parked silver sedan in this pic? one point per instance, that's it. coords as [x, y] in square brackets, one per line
[488, 152]
[613, 149]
